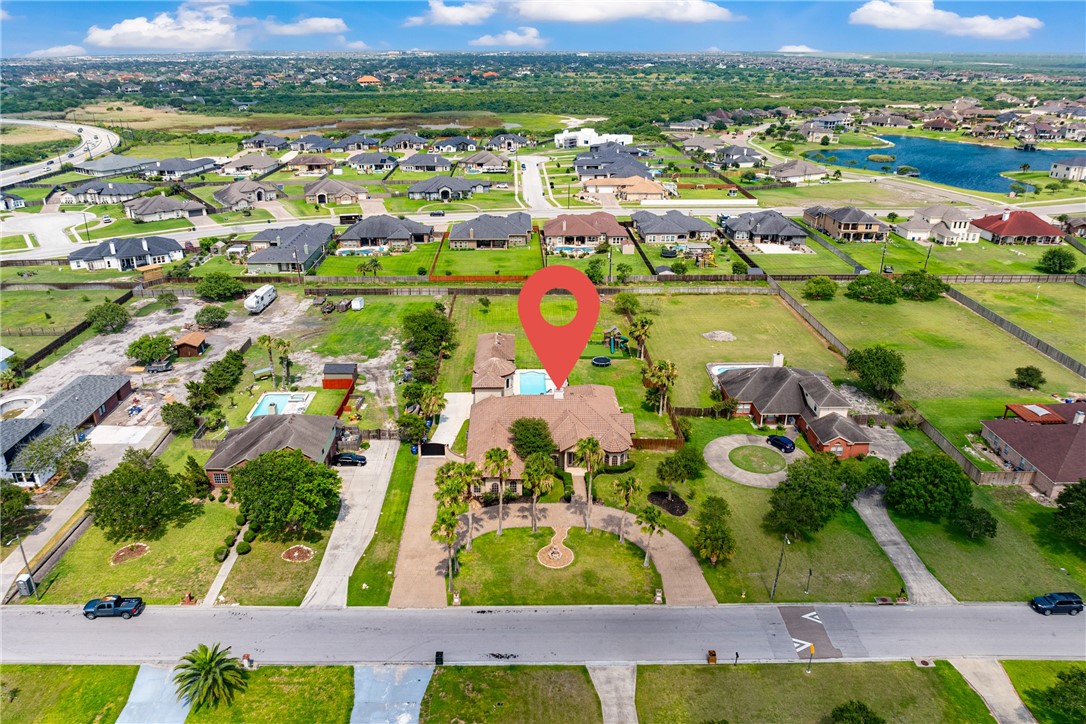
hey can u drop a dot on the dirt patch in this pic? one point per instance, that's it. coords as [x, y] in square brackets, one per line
[719, 335]
[136, 550]
[298, 554]
[676, 506]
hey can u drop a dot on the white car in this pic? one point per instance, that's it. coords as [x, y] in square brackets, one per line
[107, 219]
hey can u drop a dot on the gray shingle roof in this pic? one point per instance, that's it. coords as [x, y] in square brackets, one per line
[852, 215]
[307, 433]
[453, 183]
[1073, 161]
[373, 158]
[669, 223]
[455, 141]
[830, 426]
[338, 368]
[159, 204]
[426, 159]
[253, 160]
[232, 193]
[127, 248]
[503, 137]
[110, 163]
[333, 187]
[764, 223]
[177, 165]
[796, 167]
[111, 188]
[78, 399]
[403, 138]
[385, 227]
[488, 226]
[288, 239]
[484, 158]
[778, 390]
[267, 139]
[12, 432]
[355, 138]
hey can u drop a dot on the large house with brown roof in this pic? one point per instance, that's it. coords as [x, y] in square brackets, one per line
[495, 363]
[584, 231]
[1017, 227]
[1047, 439]
[313, 435]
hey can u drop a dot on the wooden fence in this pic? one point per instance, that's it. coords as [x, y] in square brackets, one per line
[659, 444]
[33, 262]
[36, 332]
[799, 309]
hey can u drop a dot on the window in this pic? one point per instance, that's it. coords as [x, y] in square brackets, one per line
[220, 478]
[478, 488]
[102, 410]
[494, 487]
[512, 486]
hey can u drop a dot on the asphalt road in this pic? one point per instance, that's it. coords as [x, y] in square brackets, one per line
[92, 142]
[642, 634]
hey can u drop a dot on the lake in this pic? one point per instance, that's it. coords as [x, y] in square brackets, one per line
[966, 165]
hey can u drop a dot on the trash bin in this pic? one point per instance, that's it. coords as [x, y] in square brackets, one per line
[439, 658]
[712, 656]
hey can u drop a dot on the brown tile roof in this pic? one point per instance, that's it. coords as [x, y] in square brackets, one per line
[598, 223]
[1058, 451]
[1018, 223]
[495, 359]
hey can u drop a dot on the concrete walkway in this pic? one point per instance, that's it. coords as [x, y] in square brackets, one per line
[616, 687]
[391, 693]
[923, 588]
[455, 414]
[224, 572]
[153, 699]
[716, 455]
[421, 562]
[362, 495]
[989, 679]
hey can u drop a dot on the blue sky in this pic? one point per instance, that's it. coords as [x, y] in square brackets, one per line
[57, 29]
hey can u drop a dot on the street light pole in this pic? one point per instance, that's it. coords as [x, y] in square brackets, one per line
[776, 578]
[931, 245]
[27, 564]
[86, 225]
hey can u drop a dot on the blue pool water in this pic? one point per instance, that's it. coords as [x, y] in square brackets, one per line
[533, 383]
[280, 401]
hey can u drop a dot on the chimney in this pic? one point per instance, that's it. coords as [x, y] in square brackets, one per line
[563, 224]
[778, 359]
[471, 232]
[163, 192]
[305, 250]
[144, 242]
[1080, 416]
[112, 248]
[109, 185]
[1006, 214]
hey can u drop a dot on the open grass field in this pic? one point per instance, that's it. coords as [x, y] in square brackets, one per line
[218, 264]
[981, 258]
[49, 309]
[937, 339]
[28, 193]
[818, 262]
[64, 694]
[504, 571]
[181, 149]
[511, 695]
[519, 260]
[1038, 180]
[1053, 312]
[377, 565]
[845, 193]
[180, 560]
[896, 691]
[1023, 560]
[13, 134]
[288, 695]
[263, 578]
[361, 334]
[393, 265]
[1031, 679]
[624, 375]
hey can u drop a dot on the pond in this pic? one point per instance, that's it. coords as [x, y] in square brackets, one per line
[965, 165]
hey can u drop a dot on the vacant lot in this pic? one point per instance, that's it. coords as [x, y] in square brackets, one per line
[289, 695]
[364, 333]
[52, 311]
[512, 694]
[1031, 679]
[17, 133]
[181, 149]
[64, 694]
[980, 258]
[1053, 312]
[819, 261]
[479, 202]
[846, 193]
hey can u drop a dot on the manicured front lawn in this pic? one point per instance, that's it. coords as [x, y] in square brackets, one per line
[504, 571]
[392, 265]
[16, 242]
[513, 694]
[64, 694]
[238, 217]
[288, 695]
[179, 561]
[897, 691]
[757, 459]
[263, 578]
[519, 260]
[52, 273]
[1031, 679]
[1053, 312]
[1022, 561]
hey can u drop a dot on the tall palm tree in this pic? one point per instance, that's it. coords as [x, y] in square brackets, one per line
[591, 454]
[538, 479]
[497, 462]
[651, 521]
[665, 374]
[640, 330]
[627, 488]
[207, 677]
[470, 476]
[268, 342]
[444, 531]
[284, 347]
[446, 483]
[432, 403]
[370, 265]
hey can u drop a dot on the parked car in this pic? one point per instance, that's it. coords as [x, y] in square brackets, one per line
[887, 269]
[781, 443]
[113, 605]
[48, 163]
[350, 458]
[107, 219]
[437, 213]
[80, 130]
[1050, 603]
[71, 155]
[823, 181]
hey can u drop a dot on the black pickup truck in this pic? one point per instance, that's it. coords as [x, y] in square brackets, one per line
[113, 605]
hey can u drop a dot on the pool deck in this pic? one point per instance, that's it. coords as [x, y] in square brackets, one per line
[296, 405]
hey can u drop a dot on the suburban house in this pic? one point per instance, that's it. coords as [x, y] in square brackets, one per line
[339, 376]
[251, 164]
[814, 134]
[588, 137]
[887, 121]
[191, 344]
[426, 163]
[333, 191]
[797, 171]
[506, 142]
[703, 143]
[312, 143]
[671, 227]
[175, 169]
[634, 188]
[242, 195]
[940, 124]
[832, 121]
[456, 144]
[612, 148]
[264, 140]
[739, 157]
[494, 365]
[161, 207]
[583, 231]
[311, 163]
[388, 231]
[404, 142]
[764, 227]
[104, 192]
[1069, 169]
[81, 404]
[126, 254]
[375, 162]
[313, 435]
[1049, 439]
[1076, 225]
[1017, 227]
[609, 164]
[354, 142]
[940, 223]
[10, 202]
[847, 223]
[289, 249]
[112, 165]
[446, 188]
[485, 162]
[367, 81]
[695, 124]
[492, 232]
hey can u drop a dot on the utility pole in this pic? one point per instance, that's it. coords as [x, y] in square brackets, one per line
[882, 261]
[931, 245]
[776, 578]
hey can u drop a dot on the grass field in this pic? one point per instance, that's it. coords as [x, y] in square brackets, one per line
[240, 217]
[128, 227]
[263, 578]
[721, 256]
[819, 262]
[980, 258]
[1040, 179]
[49, 309]
[393, 265]
[180, 149]
[1053, 312]
[52, 273]
[511, 695]
[288, 695]
[1031, 679]
[897, 691]
[64, 694]
[844, 193]
[478, 202]
[14, 134]
[757, 459]
[504, 571]
[1024, 558]
[28, 193]
[361, 334]
[519, 260]
[180, 560]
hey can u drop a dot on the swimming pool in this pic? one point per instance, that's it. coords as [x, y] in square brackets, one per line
[286, 403]
[367, 251]
[532, 382]
[586, 250]
[716, 369]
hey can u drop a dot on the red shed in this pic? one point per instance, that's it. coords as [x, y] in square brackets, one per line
[339, 376]
[836, 434]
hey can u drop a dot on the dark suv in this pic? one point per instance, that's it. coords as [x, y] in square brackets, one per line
[781, 443]
[350, 458]
[1050, 603]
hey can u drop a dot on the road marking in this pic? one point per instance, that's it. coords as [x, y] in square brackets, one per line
[800, 644]
[813, 616]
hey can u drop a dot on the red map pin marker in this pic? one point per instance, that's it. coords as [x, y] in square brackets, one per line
[558, 347]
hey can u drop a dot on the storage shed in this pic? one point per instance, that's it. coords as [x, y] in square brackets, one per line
[339, 376]
[192, 344]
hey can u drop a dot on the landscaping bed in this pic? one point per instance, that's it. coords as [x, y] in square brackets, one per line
[513, 694]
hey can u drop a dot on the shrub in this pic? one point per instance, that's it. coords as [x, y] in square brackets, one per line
[1028, 377]
[820, 288]
[615, 469]
[223, 496]
[221, 553]
[249, 536]
[244, 548]
[219, 287]
[240, 519]
[490, 498]
[873, 288]
[255, 526]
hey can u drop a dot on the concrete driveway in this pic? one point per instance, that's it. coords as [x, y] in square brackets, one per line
[716, 455]
[886, 443]
[455, 414]
[49, 231]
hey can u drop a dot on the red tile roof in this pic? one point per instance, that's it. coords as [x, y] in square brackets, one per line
[1018, 223]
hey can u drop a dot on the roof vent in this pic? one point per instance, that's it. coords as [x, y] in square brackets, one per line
[1080, 416]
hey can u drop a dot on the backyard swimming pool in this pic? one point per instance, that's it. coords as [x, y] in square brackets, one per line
[286, 403]
[532, 382]
[716, 368]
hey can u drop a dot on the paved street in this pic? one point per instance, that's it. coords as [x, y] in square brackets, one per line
[92, 142]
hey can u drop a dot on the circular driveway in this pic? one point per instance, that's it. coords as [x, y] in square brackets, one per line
[716, 454]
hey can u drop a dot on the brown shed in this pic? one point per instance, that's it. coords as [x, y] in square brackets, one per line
[192, 344]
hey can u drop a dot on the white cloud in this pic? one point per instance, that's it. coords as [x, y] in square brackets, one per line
[58, 51]
[601, 11]
[922, 15]
[194, 26]
[797, 49]
[351, 44]
[306, 26]
[519, 38]
[4, 14]
[469, 13]
[713, 49]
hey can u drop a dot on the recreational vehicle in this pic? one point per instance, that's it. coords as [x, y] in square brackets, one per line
[259, 300]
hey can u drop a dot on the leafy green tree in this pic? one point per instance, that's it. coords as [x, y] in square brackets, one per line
[1057, 260]
[498, 463]
[921, 286]
[1068, 695]
[219, 287]
[725, 407]
[929, 485]
[594, 271]
[108, 318]
[690, 458]
[207, 677]
[428, 331]
[284, 491]
[193, 479]
[671, 471]
[412, 429]
[444, 531]
[651, 520]
[714, 540]
[878, 367]
[168, 300]
[484, 302]
[623, 272]
[432, 403]
[626, 488]
[857, 475]
[820, 288]
[739, 267]
[538, 479]
[591, 454]
[1070, 518]
[149, 348]
[627, 303]
[531, 435]
[1028, 378]
[58, 452]
[873, 288]
[13, 502]
[679, 266]
[179, 417]
[975, 521]
[140, 495]
[211, 316]
[808, 498]
[855, 712]
[201, 396]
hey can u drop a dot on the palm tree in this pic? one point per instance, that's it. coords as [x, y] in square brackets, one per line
[651, 521]
[445, 481]
[640, 330]
[538, 479]
[496, 462]
[663, 375]
[207, 677]
[371, 265]
[1024, 167]
[269, 343]
[470, 476]
[444, 531]
[432, 403]
[591, 454]
[284, 346]
[8, 379]
[627, 488]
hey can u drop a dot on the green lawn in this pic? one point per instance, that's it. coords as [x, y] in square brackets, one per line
[128, 227]
[180, 149]
[288, 695]
[29, 193]
[757, 459]
[52, 308]
[982, 257]
[377, 566]
[263, 578]
[520, 260]
[303, 209]
[1053, 312]
[207, 193]
[1023, 560]
[1040, 179]
[176, 453]
[460, 444]
[325, 402]
[479, 202]
[624, 375]
[392, 265]
[511, 694]
[653, 251]
[179, 561]
[364, 333]
[64, 694]
[841, 193]
[504, 571]
[897, 691]
[51, 273]
[218, 264]
[818, 262]
[239, 217]
[1031, 679]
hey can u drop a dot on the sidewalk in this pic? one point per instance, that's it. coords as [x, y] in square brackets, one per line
[989, 679]
[153, 699]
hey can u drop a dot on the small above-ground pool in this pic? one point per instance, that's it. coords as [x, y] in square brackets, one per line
[601, 361]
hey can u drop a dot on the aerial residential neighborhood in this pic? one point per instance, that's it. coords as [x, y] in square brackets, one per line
[463, 361]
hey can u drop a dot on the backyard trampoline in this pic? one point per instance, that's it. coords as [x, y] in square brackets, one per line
[601, 361]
